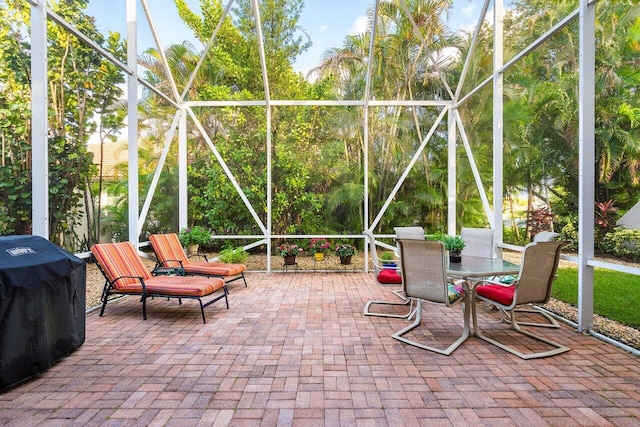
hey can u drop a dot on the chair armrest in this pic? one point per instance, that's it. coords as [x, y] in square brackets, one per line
[140, 278]
[164, 263]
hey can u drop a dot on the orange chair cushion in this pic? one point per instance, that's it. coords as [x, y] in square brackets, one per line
[390, 277]
[176, 286]
[168, 247]
[213, 268]
[118, 260]
[500, 294]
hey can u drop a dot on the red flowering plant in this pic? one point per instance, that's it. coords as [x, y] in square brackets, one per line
[319, 245]
[288, 249]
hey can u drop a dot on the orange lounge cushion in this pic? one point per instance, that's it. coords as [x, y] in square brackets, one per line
[213, 268]
[120, 262]
[239, 268]
[390, 277]
[169, 251]
[175, 286]
[500, 294]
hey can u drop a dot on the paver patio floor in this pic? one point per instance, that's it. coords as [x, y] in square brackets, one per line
[295, 349]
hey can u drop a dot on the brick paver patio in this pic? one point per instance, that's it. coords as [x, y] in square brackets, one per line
[295, 349]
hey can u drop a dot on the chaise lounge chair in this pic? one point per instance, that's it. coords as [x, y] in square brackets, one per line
[126, 275]
[170, 254]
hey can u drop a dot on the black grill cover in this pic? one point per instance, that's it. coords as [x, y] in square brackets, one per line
[42, 306]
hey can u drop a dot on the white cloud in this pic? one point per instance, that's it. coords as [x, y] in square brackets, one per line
[468, 11]
[359, 26]
[323, 28]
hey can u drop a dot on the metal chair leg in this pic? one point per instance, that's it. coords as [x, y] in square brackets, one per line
[447, 351]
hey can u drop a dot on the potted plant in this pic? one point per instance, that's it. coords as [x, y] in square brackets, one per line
[233, 255]
[388, 260]
[345, 251]
[319, 246]
[289, 251]
[192, 237]
[454, 244]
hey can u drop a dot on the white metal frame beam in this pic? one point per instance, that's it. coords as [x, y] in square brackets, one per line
[498, 136]
[207, 48]
[132, 105]
[39, 121]
[452, 175]
[267, 230]
[406, 171]
[425, 47]
[319, 103]
[365, 126]
[472, 48]
[161, 51]
[474, 169]
[585, 13]
[586, 136]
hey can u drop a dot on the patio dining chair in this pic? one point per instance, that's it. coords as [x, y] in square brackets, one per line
[389, 276]
[532, 286]
[424, 274]
[125, 274]
[551, 322]
[386, 276]
[545, 236]
[478, 242]
[170, 254]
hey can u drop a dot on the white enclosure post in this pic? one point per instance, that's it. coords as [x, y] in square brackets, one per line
[132, 104]
[39, 121]
[182, 170]
[452, 188]
[586, 185]
[498, 137]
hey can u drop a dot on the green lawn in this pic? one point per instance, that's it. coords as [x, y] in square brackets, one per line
[616, 295]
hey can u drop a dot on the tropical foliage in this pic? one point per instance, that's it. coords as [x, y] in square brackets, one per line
[82, 86]
[317, 153]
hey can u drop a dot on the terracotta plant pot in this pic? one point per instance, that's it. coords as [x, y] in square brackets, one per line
[290, 260]
[192, 249]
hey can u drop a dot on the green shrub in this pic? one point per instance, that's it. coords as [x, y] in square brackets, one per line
[387, 256]
[233, 255]
[194, 235]
[569, 234]
[622, 243]
[509, 236]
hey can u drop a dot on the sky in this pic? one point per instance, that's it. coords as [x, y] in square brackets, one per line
[326, 21]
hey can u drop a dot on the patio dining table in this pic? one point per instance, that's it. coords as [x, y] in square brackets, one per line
[472, 266]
